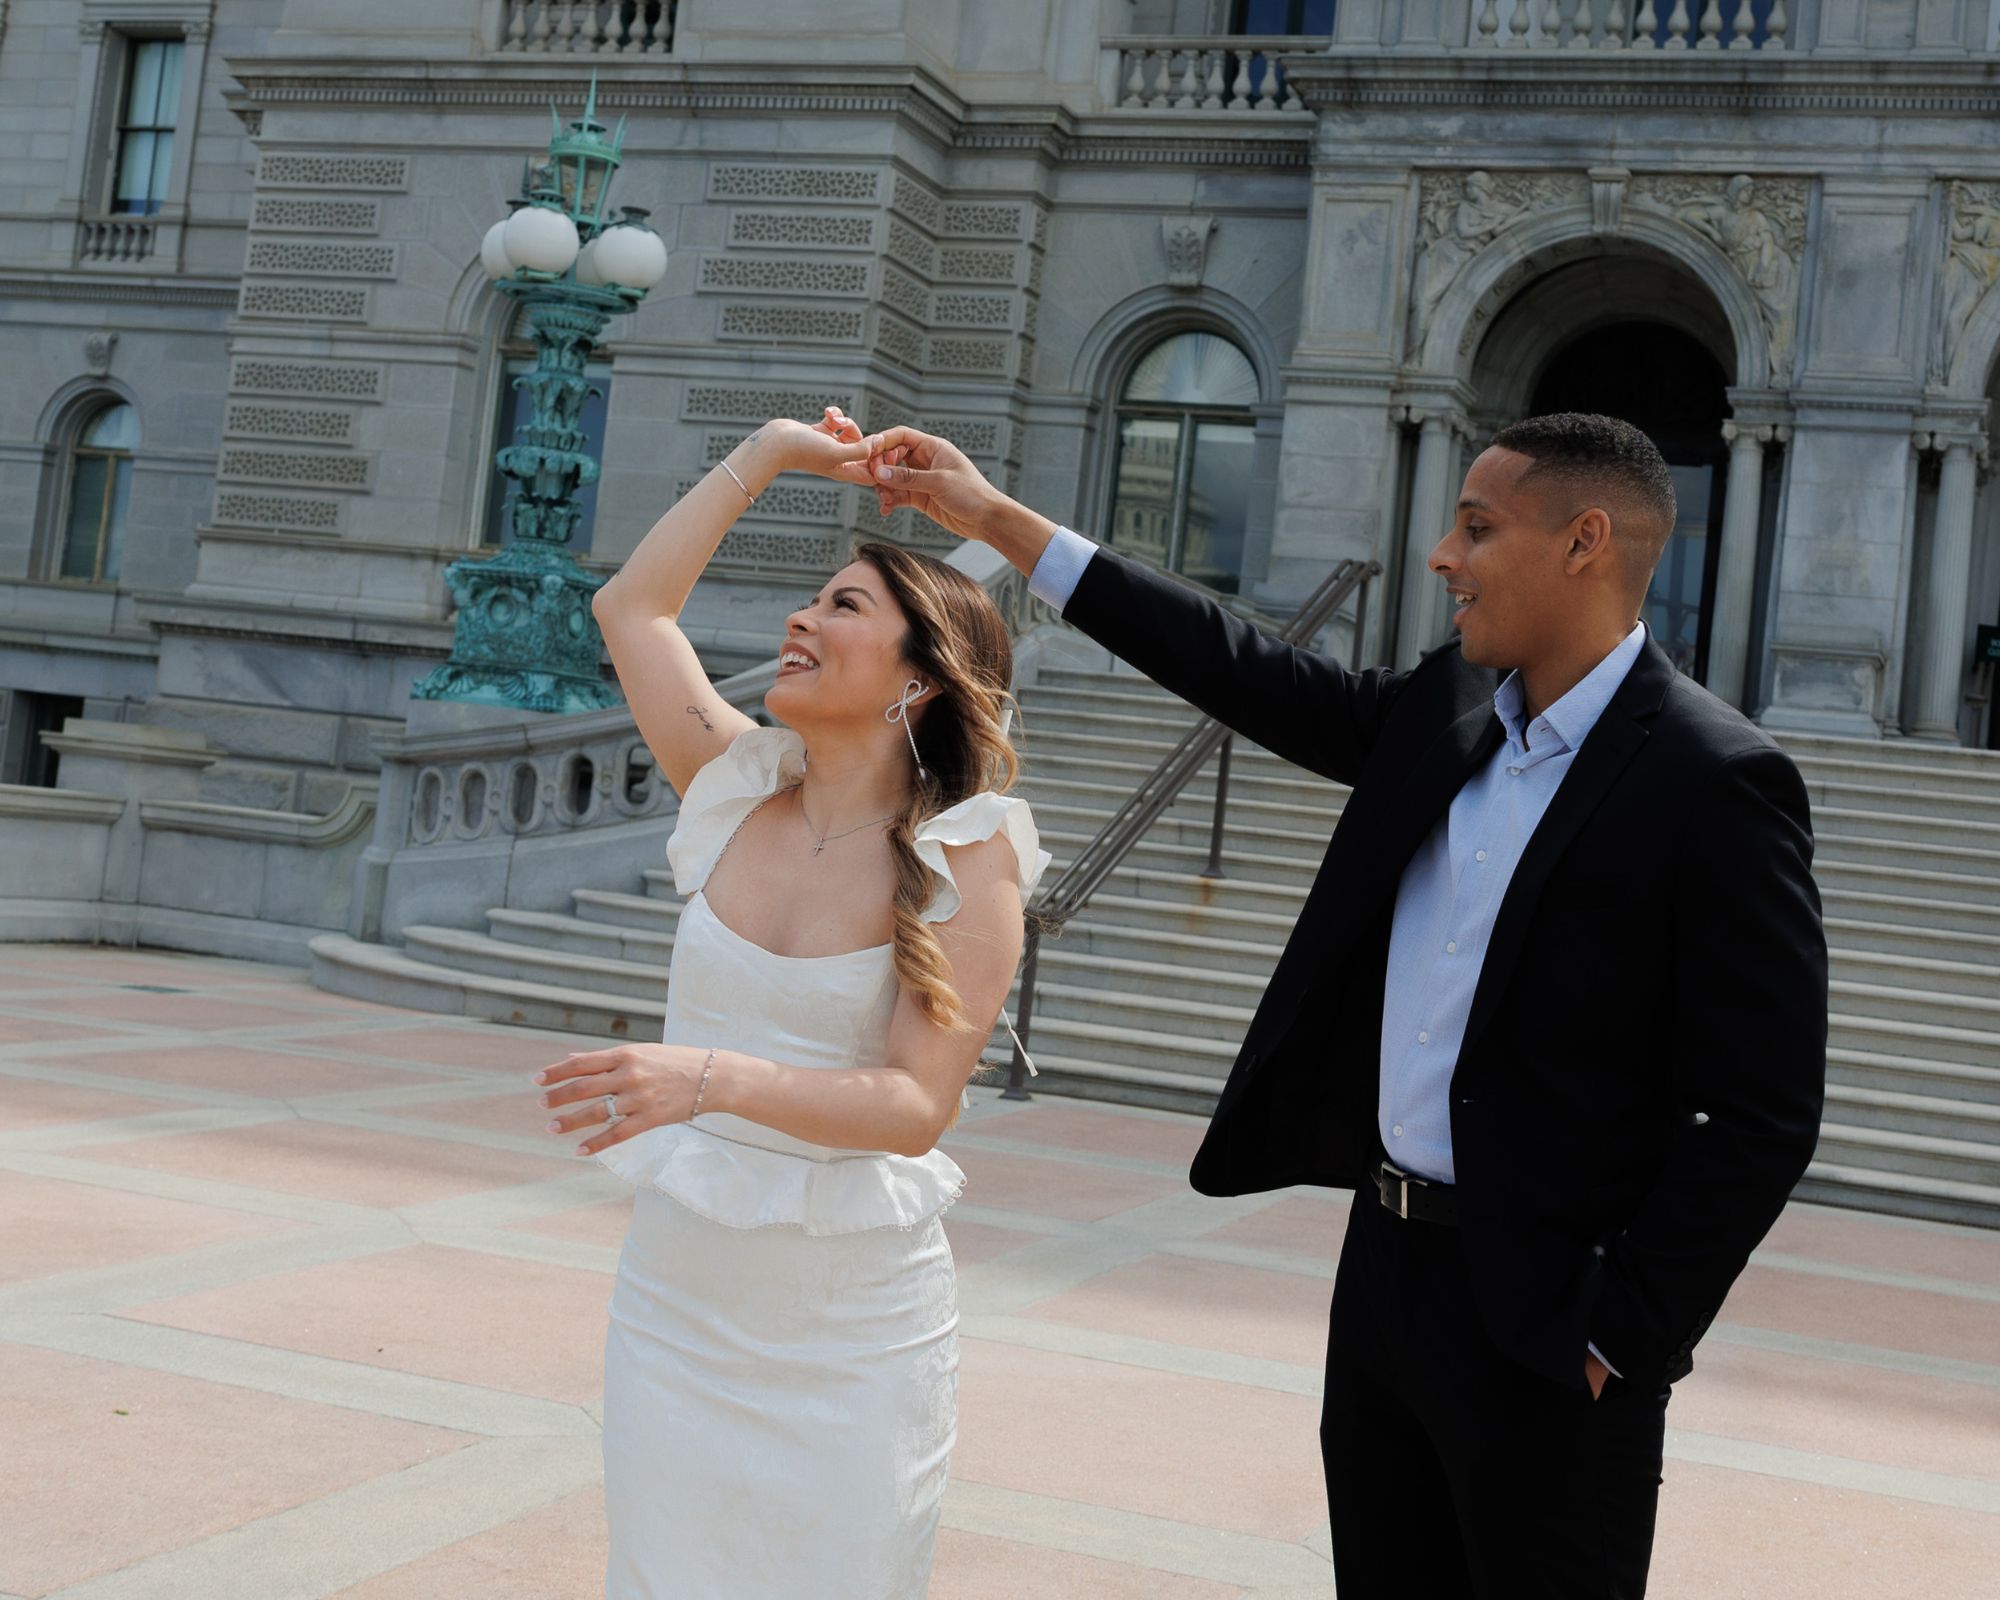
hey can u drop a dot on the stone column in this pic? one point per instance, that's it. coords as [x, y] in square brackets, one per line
[1736, 574]
[1940, 691]
[1421, 613]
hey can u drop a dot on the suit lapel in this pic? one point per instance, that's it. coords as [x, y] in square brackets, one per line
[1608, 749]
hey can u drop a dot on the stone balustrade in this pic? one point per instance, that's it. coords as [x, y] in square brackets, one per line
[1633, 25]
[588, 27]
[114, 239]
[1166, 73]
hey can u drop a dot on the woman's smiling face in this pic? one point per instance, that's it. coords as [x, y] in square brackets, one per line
[843, 652]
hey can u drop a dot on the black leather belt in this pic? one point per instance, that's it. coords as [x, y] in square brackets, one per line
[1415, 1198]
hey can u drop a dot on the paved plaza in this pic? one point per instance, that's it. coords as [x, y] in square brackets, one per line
[298, 1300]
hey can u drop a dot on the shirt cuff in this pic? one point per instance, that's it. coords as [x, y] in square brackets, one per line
[1060, 568]
[1608, 1367]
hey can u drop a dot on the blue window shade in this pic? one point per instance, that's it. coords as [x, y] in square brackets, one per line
[516, 405]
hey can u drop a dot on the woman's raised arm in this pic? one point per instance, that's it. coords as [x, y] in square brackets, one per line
[682, 719]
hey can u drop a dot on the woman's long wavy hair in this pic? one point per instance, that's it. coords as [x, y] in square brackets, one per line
[957, 642]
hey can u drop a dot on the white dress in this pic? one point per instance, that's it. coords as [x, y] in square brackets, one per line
[781, 1364]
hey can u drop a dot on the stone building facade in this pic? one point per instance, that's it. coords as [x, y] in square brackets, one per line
[1245, 282]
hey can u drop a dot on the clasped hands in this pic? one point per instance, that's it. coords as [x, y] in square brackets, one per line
[904, 466]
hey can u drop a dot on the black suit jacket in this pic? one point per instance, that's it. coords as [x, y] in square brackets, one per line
[1642, 1075]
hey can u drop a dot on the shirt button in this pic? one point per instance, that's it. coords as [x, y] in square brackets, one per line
[1451, 948]
[1479, 855]
[1423, 1038]
[1397, 1130]
[1515, 770]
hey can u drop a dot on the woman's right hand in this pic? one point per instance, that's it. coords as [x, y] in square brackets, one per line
[786, 445]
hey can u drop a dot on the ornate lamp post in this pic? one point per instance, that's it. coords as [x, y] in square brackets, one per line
[524, 636]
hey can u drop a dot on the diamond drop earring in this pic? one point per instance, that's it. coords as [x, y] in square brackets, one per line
[913, 691]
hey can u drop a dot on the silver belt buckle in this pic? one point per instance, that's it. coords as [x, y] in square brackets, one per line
[1402, 1182]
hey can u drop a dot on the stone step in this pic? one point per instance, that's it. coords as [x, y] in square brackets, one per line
[1088, 761]
[1944, 1080]
[1930, 1007]
[551, 930]
[1836, 873]
[1900, 1194]
[1922, 1041]
[1115, 695]
[1975, 979]
[1957, 1160]
[536, 964]
[1899, 1111]
[1877, 899]
[1244, 838]
[1103, 793]
[1908, 788]
[1857, 937]
[1916, 753]
[1951, 833]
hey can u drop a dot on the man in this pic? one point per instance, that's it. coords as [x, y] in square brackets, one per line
[1555, 1007]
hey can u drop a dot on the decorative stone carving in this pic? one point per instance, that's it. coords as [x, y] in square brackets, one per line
[976, 266]
[310, 301]
[757, 404]
[822, 230]
[813, 323]
[965, 218]
[911, 248]
[308, 468]
[1607, 196]
[280, 214]
[255, 419]
[916, 202]
[783, 275]
[972, 310]
[1971, 265]
[319, 380]
[1760, 224]
[1185, 241]
[278, 511]
[97, 349]
[905, 294]
[284, 171]
[790, 182]
[1458, 215]
[314, 259]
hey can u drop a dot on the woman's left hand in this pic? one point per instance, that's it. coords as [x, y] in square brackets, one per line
[654, 1085]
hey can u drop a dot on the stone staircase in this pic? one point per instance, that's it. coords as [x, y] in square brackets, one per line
[1146, 995]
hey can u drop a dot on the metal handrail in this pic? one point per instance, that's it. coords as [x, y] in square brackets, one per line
[1098, 859]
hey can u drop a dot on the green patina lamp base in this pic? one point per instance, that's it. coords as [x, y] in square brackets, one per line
[524, 637]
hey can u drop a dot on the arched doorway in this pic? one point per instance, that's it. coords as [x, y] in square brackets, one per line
[1666, 383]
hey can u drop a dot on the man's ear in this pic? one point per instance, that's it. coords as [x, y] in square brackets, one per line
[1589, 538]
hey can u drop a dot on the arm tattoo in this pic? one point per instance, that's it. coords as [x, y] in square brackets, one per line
[696, 711]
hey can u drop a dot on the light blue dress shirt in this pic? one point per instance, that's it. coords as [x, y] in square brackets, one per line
[1451, 891]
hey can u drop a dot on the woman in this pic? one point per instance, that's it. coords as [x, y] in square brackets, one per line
[781, 1364]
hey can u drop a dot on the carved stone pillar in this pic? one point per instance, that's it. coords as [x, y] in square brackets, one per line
[1736, 572]
[1422, 617]
[1941, 688]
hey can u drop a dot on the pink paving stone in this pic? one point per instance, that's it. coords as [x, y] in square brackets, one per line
[241, 1069]
[1074, 1191]
[517, 1111]
[55, 1226]
[89, 1491]
[478, 1045]
[333, 1162]
[605, 1223]
[1309, 1223]
[301, 994]
[1215, 1454]
[1833, 1408]
[1852, 1238]
[522, 1326]
[1075, 1127]
[196, 1013]
[974, 1242]
[975, 1566]
[556, 1550]
[48, 1030]
[1865, 1313]
[1743, 1536]
[1278, 1316]
[32, 1103]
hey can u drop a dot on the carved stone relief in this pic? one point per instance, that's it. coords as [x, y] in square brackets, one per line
[1458, 214]
[97, 349]
[1760, 224]
[1971, 266]
[1185, 241]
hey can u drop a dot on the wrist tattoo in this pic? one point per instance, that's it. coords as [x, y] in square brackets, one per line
[696, 711]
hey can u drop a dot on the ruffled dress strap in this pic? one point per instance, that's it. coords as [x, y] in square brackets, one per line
[756, 765]
[978, 817]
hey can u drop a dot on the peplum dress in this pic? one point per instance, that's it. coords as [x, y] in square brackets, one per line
[781, 1355]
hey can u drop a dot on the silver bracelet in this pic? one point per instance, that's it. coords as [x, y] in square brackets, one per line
[747, 495]
[707, 1067]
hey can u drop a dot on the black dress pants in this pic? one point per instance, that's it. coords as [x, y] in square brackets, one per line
[1451, 1470]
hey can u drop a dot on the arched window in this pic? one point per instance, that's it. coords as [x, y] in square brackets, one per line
[1181, 488]
[517, 357]
[99, 490]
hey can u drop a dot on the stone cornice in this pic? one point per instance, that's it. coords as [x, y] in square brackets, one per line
[121, 290]
[1653, 81]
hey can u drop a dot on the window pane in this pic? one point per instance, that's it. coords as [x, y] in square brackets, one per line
[86, 516]
[135, 173]
[144, 98]
[1673, 604]
[1193, 369]
[1218, 499]
[113, 428]
[114, 528]
[1142, 498]
[170, 85]
[163, 164]
[516, 406]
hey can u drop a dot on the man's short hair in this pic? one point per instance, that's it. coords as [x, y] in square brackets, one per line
[1601, 459]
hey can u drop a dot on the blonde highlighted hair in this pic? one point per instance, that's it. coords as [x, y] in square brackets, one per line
[957, 643]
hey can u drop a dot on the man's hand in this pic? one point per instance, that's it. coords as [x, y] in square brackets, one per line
[1594, 1374]
[906, 467]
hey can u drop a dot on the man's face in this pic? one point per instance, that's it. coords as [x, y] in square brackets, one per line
[1503, 561]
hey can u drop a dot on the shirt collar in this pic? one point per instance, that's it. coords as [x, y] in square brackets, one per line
[1572, 717]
